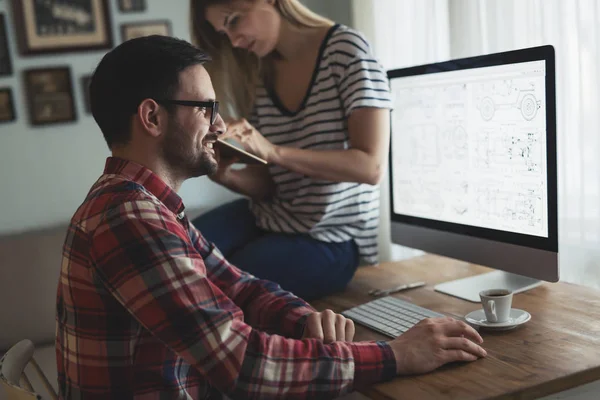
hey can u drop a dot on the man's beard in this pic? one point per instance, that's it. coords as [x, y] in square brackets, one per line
[181, 157]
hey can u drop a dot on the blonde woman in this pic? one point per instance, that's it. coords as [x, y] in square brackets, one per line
[308, 96]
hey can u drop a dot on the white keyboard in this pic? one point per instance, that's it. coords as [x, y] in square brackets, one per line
[389, 315]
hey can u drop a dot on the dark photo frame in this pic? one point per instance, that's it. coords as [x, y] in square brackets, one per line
[133, 30]
[81, 25]
[127, 6]
[5, 61]
[50, 95]
[7, 105]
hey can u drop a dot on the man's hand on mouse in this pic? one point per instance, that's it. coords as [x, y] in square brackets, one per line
[434, 342]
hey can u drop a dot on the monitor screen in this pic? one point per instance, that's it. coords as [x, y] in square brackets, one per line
[470, 148]
[473, 166]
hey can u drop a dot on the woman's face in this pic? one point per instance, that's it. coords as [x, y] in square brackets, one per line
[251, 25]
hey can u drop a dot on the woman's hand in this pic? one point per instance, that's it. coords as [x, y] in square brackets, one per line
[225, 163]
[251, 139]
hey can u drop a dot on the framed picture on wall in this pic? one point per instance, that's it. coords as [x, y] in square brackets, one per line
[132, 5]
[85, 87]
[5, 63]
[50, 95]
[138, 29]
[69, 25]
[7, 107]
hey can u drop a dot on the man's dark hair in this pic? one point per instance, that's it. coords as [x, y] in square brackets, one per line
[138, 69]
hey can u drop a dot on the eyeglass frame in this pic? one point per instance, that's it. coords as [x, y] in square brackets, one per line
[213, 105]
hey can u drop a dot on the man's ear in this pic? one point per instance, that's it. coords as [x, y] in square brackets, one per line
[152, 117]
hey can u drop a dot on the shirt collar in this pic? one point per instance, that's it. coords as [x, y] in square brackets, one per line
[144, 176]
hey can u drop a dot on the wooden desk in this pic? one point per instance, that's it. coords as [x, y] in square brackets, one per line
[557, 350]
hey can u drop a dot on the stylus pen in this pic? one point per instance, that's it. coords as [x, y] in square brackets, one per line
[380, 292]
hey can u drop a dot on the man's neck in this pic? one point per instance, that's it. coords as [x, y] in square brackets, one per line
[156, 165]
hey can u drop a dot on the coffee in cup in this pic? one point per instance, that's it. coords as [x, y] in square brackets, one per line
[496, 304]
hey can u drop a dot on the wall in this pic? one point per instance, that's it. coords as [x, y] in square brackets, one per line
[45, 172]
[338, 10]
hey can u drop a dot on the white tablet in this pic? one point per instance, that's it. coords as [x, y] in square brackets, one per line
[227, 149]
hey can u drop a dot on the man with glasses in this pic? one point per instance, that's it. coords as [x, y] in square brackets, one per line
[148, 309]
[212, 105]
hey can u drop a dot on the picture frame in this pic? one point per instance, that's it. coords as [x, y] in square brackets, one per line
[50, 95]
[5, 61]
[134, 30]
[85, 88]
[81, 25]
[127, 6]
[7, 105]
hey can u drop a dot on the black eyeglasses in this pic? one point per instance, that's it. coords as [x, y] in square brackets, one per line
[213, 105]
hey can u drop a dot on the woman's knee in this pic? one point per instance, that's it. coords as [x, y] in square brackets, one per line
[229, 226]
[308, 268]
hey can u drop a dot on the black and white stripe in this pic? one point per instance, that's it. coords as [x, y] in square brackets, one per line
[347, 77]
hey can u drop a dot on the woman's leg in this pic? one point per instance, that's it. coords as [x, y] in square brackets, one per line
[307, 267]
[229, 226]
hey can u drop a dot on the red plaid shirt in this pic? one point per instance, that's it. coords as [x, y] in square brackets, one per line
[148, 309]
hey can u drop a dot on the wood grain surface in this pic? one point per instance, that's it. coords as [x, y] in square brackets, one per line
[559, 348]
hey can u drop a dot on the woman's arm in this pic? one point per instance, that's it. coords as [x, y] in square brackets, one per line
[364, 162]
[253, 181]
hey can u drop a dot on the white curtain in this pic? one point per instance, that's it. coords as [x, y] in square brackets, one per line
[402, 33]
[406, 32]
[573, 28]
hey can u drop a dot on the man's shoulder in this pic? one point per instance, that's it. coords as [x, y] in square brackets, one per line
[112, 196]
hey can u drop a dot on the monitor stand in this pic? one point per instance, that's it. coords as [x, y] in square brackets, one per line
[469, 288]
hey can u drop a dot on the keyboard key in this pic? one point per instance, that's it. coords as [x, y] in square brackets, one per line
[389, 315]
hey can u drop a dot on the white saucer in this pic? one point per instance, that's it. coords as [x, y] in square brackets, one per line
[517, 317]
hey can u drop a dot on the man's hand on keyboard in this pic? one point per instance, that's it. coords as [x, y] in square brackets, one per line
[434, 342]
[328, 327]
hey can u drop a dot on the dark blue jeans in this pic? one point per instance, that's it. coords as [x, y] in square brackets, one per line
[307, 267]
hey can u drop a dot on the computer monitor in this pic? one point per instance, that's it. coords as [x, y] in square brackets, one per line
[473, 166]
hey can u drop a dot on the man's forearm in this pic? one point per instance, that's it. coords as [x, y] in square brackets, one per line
[275, 367]
[269, 308]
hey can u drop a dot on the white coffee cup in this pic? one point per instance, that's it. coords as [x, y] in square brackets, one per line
[496, 304]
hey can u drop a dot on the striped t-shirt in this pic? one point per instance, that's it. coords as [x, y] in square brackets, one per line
[346, 77]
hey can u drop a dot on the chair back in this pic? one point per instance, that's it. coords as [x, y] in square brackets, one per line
[13, 379]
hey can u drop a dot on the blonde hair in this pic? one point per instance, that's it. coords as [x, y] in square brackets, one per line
[236, 72]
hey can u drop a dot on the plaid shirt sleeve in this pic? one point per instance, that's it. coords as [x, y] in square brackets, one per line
[143, 255]
[265, 304]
